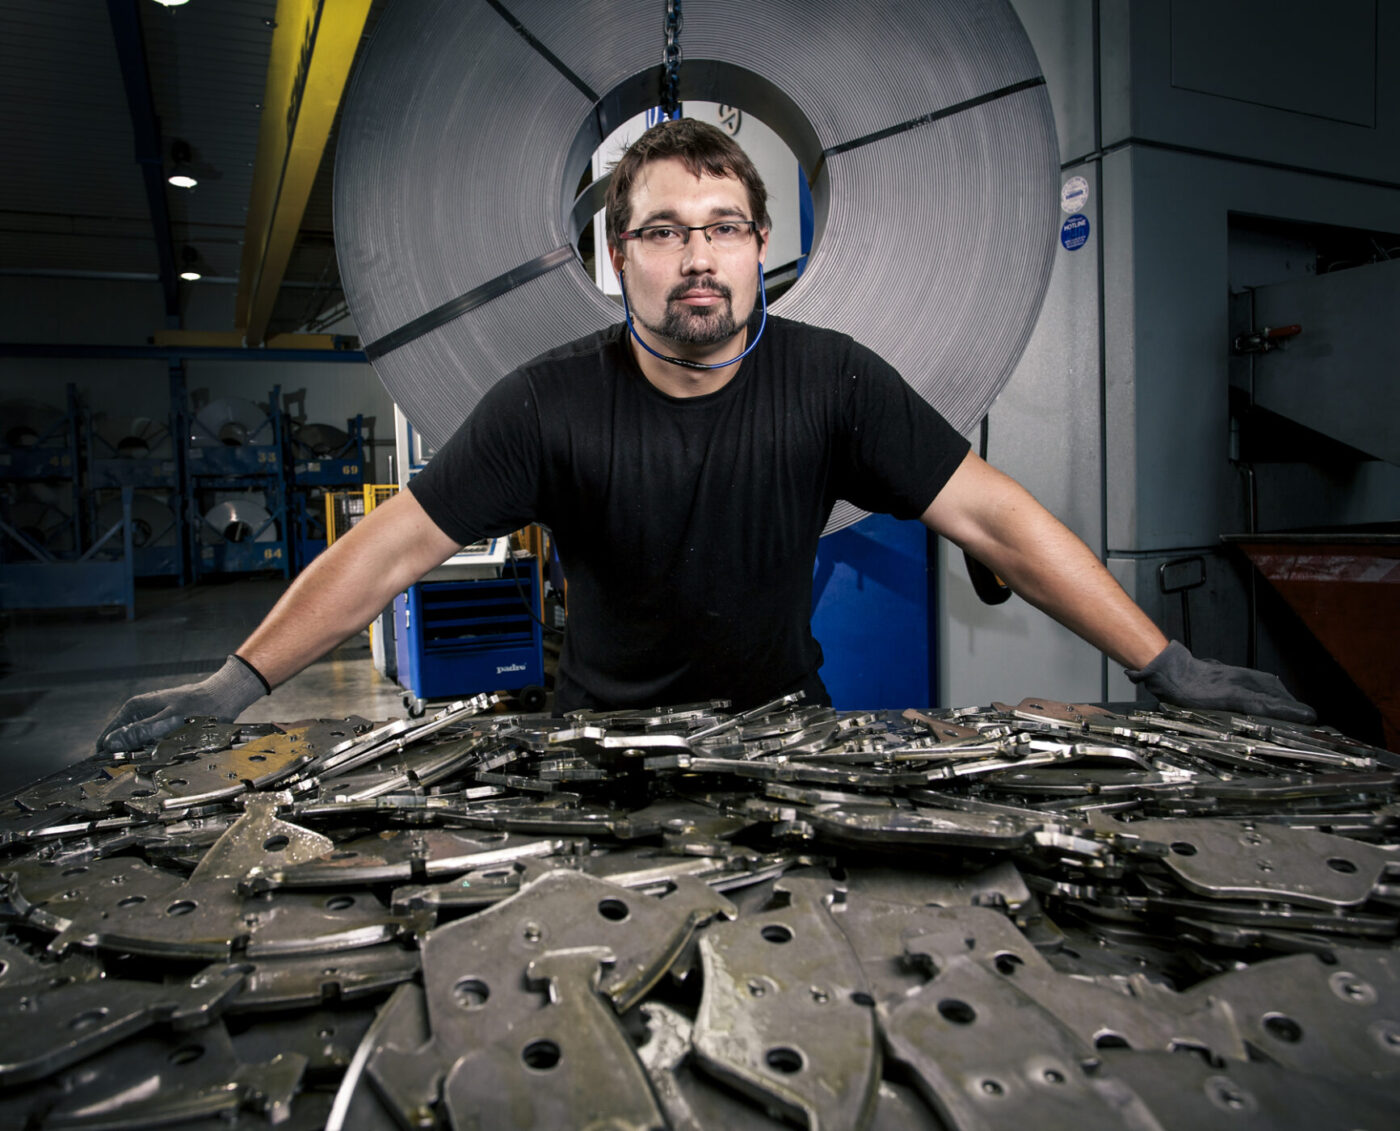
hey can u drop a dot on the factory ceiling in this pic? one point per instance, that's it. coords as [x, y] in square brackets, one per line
[102, 99]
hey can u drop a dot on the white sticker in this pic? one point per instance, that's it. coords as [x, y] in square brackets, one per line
[1074, 194]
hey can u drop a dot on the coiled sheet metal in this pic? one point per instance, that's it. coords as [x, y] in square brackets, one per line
[925, 132]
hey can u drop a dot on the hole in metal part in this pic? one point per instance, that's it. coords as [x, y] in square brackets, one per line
[1111, 1041]
[340, 902]
[1283, 1028]
[344, 854]
[776, 933]
[613, 909]
[1007, 963]
[1183, 848]
[177, 781]
[471, 993]
[78, 871]
[493, 838]
[541, 1055]
[275, 843]
[3, 967]
[186, 1054]
[1337, 864]
[958, 1012]
[784, 1060]
[133, 900]
[1054, 1076]
[257, 757]
[181, 907]
[860, 997]
[992, 1088]
[87, 1019]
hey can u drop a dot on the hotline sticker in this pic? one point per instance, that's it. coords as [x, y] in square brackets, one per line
[1074, 194]
[1074, 232]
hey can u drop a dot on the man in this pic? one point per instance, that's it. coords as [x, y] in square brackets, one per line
[686, 461]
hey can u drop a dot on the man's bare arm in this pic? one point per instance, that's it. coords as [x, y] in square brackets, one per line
[999, 523]
[347, 586]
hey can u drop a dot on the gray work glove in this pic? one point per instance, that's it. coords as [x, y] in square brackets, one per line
[1176, 676]
[145, 718]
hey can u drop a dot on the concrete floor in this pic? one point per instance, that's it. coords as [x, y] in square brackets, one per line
[63, 675]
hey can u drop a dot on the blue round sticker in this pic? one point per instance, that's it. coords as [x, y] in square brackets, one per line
[1074, 232]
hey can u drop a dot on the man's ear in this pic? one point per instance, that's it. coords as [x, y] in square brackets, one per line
[618, 260]
[762, 244]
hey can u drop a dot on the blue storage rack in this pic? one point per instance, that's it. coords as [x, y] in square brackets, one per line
[47, 582]
[258, 464]
[52, 458]
[315, 474]
[458, 638]
[108, 472]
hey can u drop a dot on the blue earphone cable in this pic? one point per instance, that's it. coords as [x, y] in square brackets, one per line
[686, 362]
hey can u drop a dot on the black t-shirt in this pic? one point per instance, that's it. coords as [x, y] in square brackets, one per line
[688, 527]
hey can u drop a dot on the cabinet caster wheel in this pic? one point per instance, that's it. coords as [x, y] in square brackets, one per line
[414, 706]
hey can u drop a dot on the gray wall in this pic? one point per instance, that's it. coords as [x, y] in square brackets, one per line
[1117, 416]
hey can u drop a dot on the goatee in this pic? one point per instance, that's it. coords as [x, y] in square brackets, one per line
[703, 326]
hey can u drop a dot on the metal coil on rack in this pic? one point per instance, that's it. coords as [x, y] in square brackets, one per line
[230, 422]
[925, 133]
[237, 520]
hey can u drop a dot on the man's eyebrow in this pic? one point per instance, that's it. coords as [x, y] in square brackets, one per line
[669, 215]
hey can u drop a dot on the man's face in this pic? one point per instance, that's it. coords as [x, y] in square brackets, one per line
[700, 295]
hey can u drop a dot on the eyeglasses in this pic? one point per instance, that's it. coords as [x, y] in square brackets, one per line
[667, 238]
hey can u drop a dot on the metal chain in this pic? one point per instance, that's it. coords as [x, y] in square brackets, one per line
[671, 58]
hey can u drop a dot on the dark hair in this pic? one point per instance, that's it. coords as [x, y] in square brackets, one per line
[702, 148]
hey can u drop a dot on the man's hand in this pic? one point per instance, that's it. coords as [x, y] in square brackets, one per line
[145, 718]
[1176, 676]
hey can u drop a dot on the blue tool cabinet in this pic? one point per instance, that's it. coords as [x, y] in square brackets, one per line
[459, 638]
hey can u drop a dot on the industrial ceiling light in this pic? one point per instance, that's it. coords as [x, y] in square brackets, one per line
[181, 174]
[171, 3]
[189, 259]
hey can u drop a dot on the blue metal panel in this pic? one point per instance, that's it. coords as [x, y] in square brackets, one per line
[67, 585]
[121, 472]
[243, 557]
[872, 611]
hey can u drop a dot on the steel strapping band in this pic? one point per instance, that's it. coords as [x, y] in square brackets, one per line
[477, 296]
[543, 51]
[937, 115]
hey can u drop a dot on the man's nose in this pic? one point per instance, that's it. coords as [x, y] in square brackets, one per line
[697, 254]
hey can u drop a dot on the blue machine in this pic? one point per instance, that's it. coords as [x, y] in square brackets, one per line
[459, 638]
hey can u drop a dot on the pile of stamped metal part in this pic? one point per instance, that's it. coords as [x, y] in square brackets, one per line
[1042, 916]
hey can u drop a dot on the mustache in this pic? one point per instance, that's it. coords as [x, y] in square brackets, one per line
[713, 286]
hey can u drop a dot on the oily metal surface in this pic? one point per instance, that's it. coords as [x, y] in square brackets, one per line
[1034, 913]
[924, 130]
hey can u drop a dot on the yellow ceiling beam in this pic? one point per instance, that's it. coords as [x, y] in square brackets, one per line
[313, 47]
